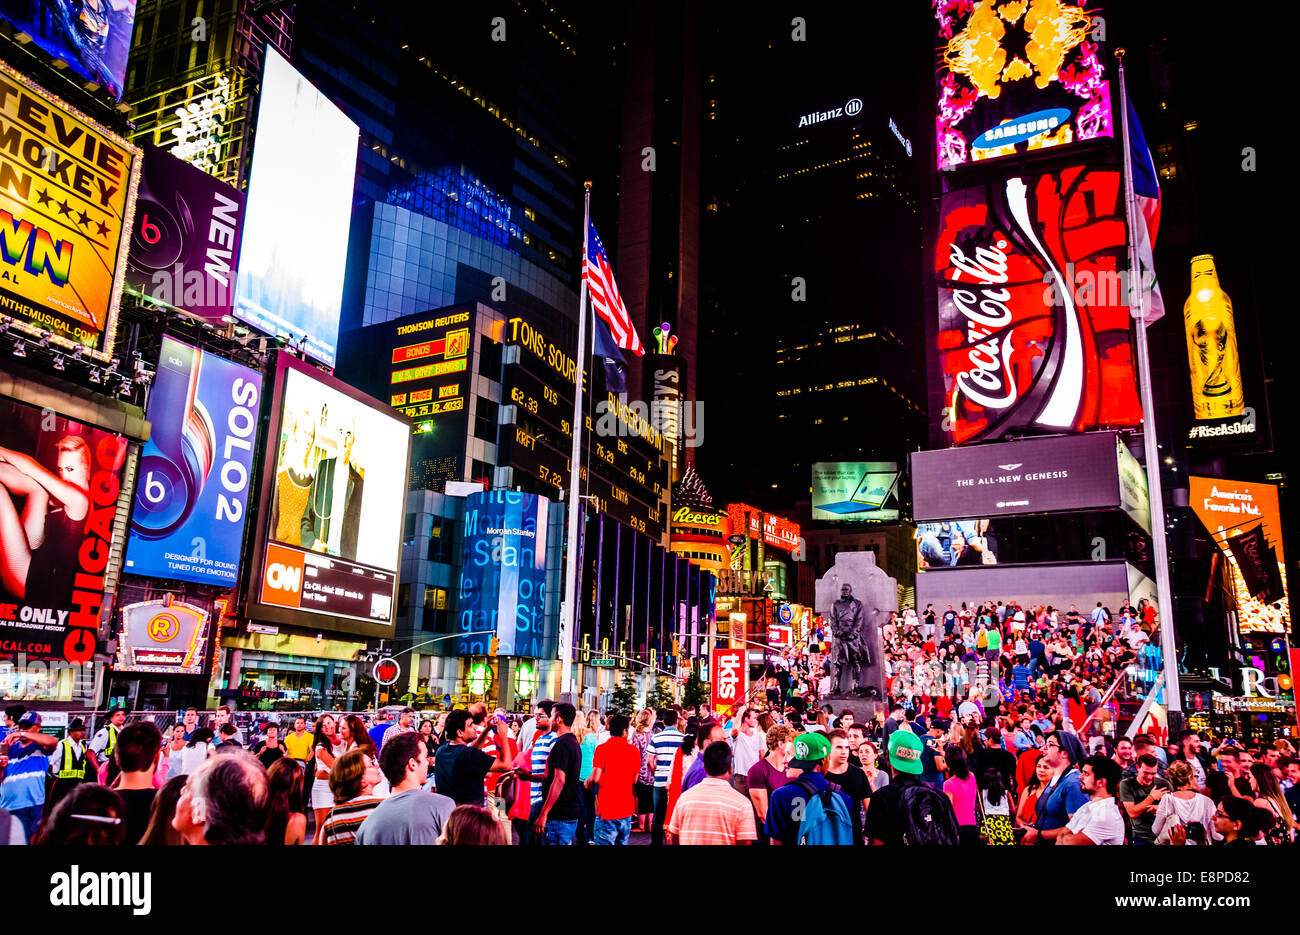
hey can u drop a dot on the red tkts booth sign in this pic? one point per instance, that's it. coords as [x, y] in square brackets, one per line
[1033, 314]
[730, 679]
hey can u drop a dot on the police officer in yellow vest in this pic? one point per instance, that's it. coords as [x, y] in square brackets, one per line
[71, 763]
[105, 741]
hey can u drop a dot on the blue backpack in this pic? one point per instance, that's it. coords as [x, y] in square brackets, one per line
[825, 818]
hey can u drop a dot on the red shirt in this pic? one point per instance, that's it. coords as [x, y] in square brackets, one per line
[945, 706]
[620, 764]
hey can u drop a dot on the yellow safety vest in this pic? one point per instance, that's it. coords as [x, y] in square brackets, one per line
[112, 741]
[72, 769]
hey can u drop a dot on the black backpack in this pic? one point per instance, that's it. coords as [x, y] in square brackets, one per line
[927, 817]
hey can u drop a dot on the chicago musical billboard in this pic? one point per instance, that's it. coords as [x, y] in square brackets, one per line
[191, 496]
[67, 197]
[59, 483]
[295, 240]
[1033, 321]
[185, 240]
[1014, 77]
[333, 502]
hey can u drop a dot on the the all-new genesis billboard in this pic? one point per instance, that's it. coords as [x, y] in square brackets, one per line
[334, 496]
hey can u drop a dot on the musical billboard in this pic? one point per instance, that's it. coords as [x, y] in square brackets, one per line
[191, 497]
[59, 484]
[67, 197]
[1033, 322]
[1014, 77]
[333, 502]
[503, 574]
[299, 210]
[185, 240]
[855, 491]
[1245, 520]
[92, 36]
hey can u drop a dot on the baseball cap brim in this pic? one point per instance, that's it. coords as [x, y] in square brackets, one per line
[805, 765]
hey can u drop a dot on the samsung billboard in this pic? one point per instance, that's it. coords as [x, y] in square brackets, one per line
[1041, 475]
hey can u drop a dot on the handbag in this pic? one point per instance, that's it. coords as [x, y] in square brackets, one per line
[994, 829]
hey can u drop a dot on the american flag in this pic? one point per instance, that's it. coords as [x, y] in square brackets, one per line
[1146, 191]
[605, 298]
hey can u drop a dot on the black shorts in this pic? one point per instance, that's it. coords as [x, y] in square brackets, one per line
[645, 799]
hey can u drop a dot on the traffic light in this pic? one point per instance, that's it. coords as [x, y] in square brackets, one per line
[494, 646]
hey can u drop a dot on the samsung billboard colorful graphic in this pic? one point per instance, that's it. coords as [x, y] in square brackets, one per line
[92, 36]
[503, 574]
[1016, 76]
[67, 197]
[59, 485]
[1033, 321]
[295, 240]
[191, 497]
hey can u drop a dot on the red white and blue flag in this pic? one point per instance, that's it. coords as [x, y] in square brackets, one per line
[605, 298]
[1146, 191]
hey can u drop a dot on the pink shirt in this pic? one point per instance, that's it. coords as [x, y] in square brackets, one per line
[963, 793]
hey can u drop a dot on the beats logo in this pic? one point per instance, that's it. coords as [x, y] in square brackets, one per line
[282, 580]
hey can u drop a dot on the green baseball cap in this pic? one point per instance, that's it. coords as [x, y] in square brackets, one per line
[809, 750]
[905, 751]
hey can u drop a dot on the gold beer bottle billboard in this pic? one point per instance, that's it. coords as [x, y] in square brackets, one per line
[1212, 345]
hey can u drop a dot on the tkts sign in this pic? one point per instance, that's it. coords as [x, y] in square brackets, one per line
[1033, 320]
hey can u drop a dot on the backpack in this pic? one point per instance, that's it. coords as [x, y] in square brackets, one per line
[927, 817]
[825, 818]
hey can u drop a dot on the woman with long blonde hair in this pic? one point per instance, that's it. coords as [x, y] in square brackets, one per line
[643, 726]
[1271, 799]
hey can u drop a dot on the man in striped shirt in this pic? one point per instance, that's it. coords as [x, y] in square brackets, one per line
[663, 747]
[712, 812]
[542, 743]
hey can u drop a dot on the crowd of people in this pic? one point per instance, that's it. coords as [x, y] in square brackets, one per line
[991, 731]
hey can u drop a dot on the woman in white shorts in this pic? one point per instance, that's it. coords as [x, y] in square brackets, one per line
[326, 746]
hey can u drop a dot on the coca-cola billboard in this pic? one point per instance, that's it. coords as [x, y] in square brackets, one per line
[1033, 316]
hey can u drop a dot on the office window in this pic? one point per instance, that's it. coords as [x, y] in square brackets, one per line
[435, 598]
[403, 599]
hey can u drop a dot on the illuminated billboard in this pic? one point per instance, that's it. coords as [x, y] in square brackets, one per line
[92, 36]
[162, 636]
[1017, 76]
[1246, 523]
[1033, 475]
[299, 210]
[503, 574]
[191, 495]
[67, 195]
[333, 502]
[185, 240]
[1033, 321]
[855, 491]
[430, 366]
[59, 484]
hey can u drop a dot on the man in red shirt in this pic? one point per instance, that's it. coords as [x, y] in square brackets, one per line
[615, 768]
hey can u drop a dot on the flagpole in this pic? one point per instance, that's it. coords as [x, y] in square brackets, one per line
[569, 605]
[1137, 302]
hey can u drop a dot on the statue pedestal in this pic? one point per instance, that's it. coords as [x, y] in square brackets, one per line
[879, 596]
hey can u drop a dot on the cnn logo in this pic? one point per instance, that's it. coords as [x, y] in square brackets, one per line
[283, 577]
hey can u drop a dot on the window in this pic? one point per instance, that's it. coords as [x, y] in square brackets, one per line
[485, 420]
[403, 599]
[408, 529]
[435, 598]
[440, 540]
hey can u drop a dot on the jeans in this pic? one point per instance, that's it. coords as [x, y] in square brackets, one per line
[613, 830]
[559, 833]
[533, 838]
[29, 818]
[661, 812]
[586, 815]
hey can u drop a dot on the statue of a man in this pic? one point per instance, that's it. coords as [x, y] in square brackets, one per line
[849, 652]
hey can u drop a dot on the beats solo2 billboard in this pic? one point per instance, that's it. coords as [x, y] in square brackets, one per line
[333, 497]
[191, 495]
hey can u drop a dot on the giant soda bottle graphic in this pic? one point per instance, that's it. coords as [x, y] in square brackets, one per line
[1212, 345]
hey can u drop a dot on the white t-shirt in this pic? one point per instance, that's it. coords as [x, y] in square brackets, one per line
[1100, 820]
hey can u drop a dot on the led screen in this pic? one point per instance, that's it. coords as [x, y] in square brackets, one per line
[299, 209]
[191, 497]
[92, 36]
[334, 503]
[853, 491]
[1014, 77]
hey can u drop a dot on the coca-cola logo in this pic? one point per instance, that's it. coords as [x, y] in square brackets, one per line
[988, 379]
